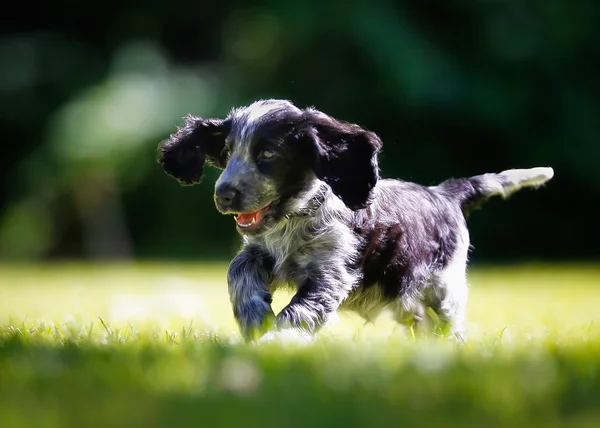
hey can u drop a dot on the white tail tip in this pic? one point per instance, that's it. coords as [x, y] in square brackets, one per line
[531, 177]
[542, 173]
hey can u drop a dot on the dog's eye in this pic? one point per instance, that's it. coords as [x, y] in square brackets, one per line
[267, 154]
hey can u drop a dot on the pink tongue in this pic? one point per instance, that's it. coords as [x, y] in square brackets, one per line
[247, 218]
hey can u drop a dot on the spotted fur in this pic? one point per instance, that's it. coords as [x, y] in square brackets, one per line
[332, 230]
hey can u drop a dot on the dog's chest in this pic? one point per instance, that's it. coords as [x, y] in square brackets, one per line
[303, 248]
[292, 249]
[294, 246]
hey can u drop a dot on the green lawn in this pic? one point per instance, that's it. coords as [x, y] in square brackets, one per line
[151, 345]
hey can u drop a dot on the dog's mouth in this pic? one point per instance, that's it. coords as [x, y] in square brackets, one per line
[248, 221]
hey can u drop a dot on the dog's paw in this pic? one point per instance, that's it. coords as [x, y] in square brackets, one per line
[287, 335]
[255, 318]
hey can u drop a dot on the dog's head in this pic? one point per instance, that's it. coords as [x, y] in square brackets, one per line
[270, 153]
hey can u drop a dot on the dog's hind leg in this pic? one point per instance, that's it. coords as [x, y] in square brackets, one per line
[438, 304]
[448, 315]
[446, 298]
[434, 317]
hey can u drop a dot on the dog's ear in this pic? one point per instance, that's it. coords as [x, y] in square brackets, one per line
[183, 154]
[346, 158]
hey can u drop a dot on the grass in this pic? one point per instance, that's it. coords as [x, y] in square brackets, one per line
[151, 345]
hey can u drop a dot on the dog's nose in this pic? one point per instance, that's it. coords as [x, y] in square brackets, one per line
[225, 194]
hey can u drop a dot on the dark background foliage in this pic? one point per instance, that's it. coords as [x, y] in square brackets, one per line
[453, 89]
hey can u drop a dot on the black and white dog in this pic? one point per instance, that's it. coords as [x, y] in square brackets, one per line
[314, 215]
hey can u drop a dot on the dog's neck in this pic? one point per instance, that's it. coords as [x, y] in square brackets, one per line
[311, 201]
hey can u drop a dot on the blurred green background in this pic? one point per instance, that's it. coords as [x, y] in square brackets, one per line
[453, 89]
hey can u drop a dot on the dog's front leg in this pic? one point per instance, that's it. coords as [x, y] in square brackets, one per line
[248, 279]
[317, 300]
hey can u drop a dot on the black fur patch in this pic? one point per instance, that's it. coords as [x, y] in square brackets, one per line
[347, 158]
[183, 154]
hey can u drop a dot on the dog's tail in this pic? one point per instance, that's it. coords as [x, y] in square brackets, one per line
[471, 192]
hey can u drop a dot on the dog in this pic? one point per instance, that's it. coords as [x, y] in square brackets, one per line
[314, 215]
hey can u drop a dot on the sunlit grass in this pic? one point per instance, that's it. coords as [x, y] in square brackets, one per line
[156, 345]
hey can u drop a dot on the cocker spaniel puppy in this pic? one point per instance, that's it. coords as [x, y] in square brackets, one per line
[314, 215]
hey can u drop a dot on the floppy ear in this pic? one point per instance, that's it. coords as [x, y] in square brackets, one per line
[347, 158]
[183, 154]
